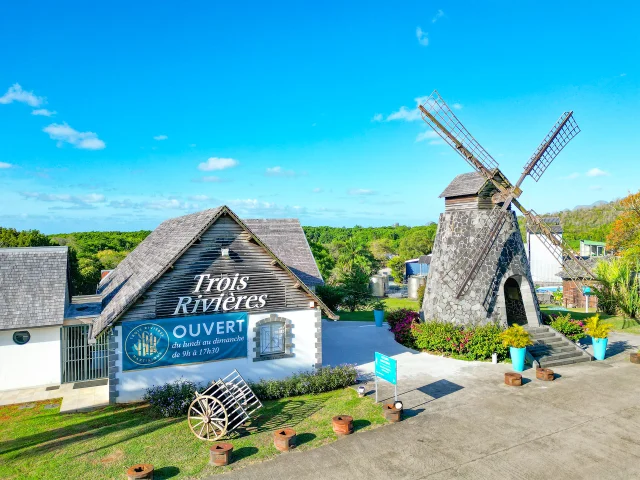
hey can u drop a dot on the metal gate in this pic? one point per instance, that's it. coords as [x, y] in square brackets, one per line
[81, 361]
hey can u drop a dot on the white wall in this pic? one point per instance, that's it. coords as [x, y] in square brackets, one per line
[544, 264]
[132, 384]
[33, 364]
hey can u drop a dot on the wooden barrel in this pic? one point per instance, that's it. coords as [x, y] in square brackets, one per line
[342, 425]
[284, 439]
[220, 454]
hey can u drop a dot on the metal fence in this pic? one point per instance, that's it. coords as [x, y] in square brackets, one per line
[81, 361]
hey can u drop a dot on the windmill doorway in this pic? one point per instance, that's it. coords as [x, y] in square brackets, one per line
[516, 313]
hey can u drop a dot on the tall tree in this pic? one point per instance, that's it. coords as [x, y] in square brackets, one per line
[625, 231]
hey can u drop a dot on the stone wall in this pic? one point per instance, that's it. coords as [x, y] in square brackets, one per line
[453, 254]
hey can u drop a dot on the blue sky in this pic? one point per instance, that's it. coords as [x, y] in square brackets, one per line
[295, 109]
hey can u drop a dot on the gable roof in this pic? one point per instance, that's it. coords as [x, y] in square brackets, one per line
[465, 184]
[156, 254]
[285, 238]
[33, 286]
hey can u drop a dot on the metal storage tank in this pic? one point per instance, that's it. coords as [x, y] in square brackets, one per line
[413, 284]
[377, 285]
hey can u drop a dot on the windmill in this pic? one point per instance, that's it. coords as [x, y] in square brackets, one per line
[479, 269]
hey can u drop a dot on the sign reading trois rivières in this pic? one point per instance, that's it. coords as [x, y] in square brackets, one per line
[212, 294]
[176, 341]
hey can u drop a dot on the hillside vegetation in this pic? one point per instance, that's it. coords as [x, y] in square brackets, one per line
[336, 249]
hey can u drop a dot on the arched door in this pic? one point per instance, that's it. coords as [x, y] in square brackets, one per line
[516, 312]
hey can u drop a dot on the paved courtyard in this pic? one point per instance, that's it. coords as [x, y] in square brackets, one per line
[464, 423]
[76, 397]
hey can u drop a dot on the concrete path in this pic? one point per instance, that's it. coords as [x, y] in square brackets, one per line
[76, 397]
[464, 423]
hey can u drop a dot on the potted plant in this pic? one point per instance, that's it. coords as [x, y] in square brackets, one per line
[599, 333]
[378, 312]
[517, 339]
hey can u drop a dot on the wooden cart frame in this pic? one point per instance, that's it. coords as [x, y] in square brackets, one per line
[222, 407]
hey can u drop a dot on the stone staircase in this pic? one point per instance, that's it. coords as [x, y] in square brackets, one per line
[550, 348]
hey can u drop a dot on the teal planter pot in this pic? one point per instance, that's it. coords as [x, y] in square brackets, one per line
[378, 315]
[517, 358]
[599, 347]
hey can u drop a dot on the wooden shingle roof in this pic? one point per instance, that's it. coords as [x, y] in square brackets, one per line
[33, 286]
[157, 253]
[465, 184]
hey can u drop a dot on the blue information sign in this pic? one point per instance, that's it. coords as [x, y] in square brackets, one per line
[386, 368]
[176, 341]
[586, 290]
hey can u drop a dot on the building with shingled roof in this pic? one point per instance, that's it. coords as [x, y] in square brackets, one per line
[202, 295]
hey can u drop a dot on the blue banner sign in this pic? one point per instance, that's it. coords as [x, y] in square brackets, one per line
[386, 368]
[166, 342]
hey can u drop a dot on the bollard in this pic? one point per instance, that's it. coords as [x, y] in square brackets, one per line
[284, 439]
[342, 425]
[220, 454]
[513, 379]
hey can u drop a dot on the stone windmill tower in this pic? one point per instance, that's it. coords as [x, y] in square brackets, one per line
[479, 269]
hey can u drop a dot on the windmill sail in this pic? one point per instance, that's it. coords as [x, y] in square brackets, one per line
[562, 132]
[442, 119]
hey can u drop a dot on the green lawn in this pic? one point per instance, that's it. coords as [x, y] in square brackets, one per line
[619, 323]
[391, 304]
[40, 443]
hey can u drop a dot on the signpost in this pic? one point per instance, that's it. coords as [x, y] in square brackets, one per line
[386, 368]
[586, 291]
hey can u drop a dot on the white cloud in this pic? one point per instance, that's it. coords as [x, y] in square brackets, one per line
[192, 145]
[279, 172]
[17, 94]
[457, 106]
[168, 204]
[43, 112]
[377, 117]
[439, 14]
[215, 163]
[5, 165]
[422, 37]
[209, 179]
[160, 137]
[199, 198]
[63, 133]
[427, 135]
[317, 190]
[596, 172]
[595, 187]
[571, 176]
[406, 114]
[90, 198]
[362, 191]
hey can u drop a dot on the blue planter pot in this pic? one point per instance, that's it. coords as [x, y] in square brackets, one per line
[517, 358]
[379, 317]
[599, 347]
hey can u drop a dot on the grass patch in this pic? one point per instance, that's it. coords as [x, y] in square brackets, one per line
[391, 304]
[619, 324]
[37, 443]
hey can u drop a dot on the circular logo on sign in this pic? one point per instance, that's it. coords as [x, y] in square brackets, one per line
[146, 344]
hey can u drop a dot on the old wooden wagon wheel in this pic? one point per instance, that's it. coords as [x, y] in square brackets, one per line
[208, 418]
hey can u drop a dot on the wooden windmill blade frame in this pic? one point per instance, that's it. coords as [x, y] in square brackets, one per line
[558, 137]
[573, 264]
[441, 118]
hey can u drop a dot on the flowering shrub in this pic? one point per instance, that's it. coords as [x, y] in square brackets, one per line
[321, 380]
[572, 329]
[467, 342]
[400, 323]
[172, 399]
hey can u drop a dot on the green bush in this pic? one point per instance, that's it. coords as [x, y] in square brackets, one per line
[421, 290]
[331, 296]
[468, 342]
[321, 380]
[172, 399]
[572, 329]
[515, 336]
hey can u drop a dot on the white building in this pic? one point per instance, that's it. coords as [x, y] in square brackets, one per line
[202, 295]
[545, 265]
